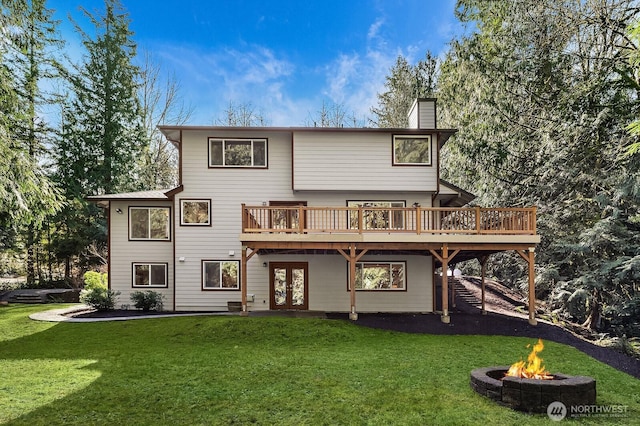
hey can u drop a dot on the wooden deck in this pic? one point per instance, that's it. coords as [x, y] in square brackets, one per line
[389, 220]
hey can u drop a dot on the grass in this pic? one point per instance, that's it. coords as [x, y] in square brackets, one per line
[266, 370]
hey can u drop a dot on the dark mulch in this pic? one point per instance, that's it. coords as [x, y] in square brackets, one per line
[495, 324]
[123, 313]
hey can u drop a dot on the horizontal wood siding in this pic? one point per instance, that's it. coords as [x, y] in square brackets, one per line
[328, 275]
[124, 252]
[328, 161]
[228, 189]
[427, 114]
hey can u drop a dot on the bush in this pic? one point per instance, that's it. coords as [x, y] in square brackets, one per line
[95, 279]
[99, 298]
[96, 294]
[147, 300]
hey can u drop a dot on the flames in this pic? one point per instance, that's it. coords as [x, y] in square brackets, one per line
[533, 368]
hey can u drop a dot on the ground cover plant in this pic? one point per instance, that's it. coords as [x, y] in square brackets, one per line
[264, 370]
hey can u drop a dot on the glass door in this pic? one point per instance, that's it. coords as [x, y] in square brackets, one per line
[289, 289]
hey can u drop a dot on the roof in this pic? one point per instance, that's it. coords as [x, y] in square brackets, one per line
[452, 196]
[174, 132]
[153, 195]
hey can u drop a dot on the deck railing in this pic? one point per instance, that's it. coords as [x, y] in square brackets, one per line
[415, 220]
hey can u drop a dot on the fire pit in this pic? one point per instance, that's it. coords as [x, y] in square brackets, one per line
[530, 387]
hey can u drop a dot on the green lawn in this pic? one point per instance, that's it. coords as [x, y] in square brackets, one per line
[263, 370]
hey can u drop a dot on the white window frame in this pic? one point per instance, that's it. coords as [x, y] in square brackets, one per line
[220, 262]
[399, 138]
[252, 141]
[195, 200]
[150, 285]
[149, 238]
[390, 264]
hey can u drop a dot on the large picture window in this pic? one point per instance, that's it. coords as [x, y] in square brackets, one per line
[150, 275]
[195, 212]
[412, 150]
[377, 214]
[381, 276]
[149, 223]
[237, 152]
[220, 275]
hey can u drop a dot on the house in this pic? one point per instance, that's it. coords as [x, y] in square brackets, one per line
[324, 219]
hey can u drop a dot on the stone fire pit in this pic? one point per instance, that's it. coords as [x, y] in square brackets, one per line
[533, 395]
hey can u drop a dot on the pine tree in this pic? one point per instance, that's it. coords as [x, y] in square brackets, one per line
[102, 130]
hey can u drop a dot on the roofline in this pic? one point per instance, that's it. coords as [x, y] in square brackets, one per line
[167, 129]
[168, 196]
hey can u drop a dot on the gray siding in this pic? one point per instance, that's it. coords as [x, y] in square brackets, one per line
[123, 253]
[229, 188]
[340, 161]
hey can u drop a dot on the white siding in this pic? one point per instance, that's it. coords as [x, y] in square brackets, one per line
[229, 188]
[123, 253]
[339, 161]
[427, 114]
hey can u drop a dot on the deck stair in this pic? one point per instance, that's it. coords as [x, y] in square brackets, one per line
[463, 294]
[31, 298]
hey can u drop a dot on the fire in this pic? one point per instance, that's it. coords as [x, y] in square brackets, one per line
[533, 368]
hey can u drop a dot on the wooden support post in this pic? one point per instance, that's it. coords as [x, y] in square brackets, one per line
[453, 288]
[243, 281]
[483, 263]
[352, 257]
[445, 318]
[532, 287]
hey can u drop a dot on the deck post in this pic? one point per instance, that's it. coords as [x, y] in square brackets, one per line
[353, 315]
[532, 287]
[445, 285]
[483, 263]
[243, 280]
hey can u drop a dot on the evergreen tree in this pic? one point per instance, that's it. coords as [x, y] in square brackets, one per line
[542, 111]
[405, 83]
[102, 131]
[27, 46]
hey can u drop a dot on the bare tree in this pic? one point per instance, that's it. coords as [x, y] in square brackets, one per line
[242, 115]
[333, 114]
[161, 103]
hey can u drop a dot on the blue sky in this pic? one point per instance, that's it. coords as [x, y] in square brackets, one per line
[283, 57]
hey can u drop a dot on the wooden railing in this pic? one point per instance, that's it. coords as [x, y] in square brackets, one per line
[416, 220]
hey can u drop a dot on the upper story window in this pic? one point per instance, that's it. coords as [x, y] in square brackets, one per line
[195, 212]
[414, 150]
[237, 153]
[377, 214]
[149, 223]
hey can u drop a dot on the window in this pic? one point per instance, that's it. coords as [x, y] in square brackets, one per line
[150, 274]
[412, 150]
[237, 152]
[220, 275]
[377, 214]
[195, 212]
[383, 276]
[149, 223]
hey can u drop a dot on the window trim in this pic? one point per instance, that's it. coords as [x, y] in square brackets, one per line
[390, 263]
[220, 261]
[224, 140]
[404, 136]
[149, 238]
[197, 200]
[133, 274]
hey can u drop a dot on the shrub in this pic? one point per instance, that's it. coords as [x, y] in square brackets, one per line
[96, 294]
[147, 300]
[99, 298]
[95, 279]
